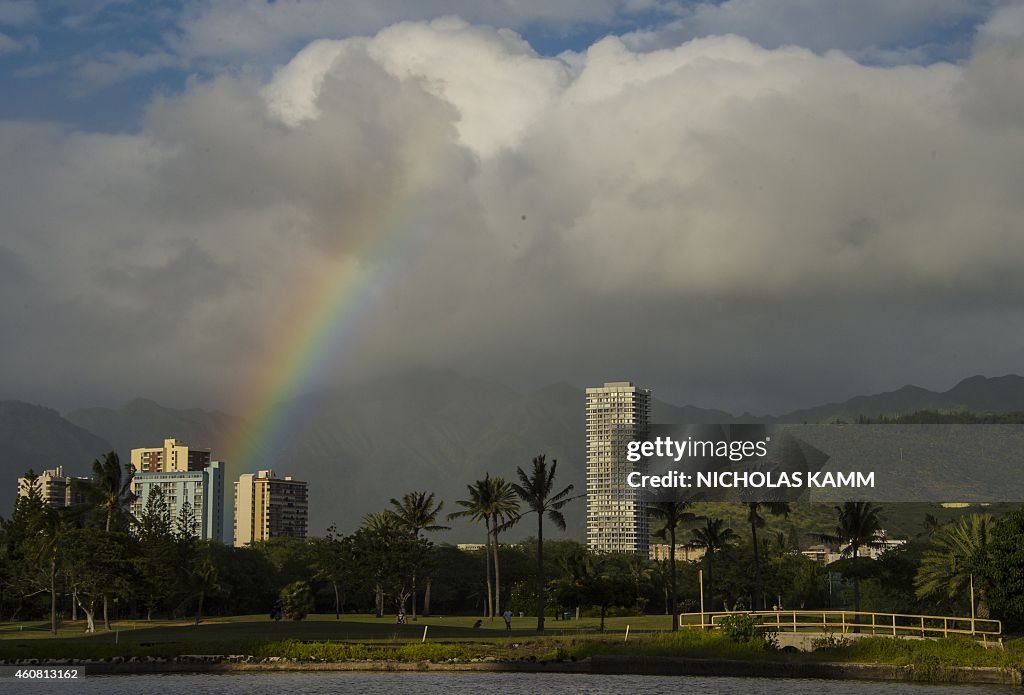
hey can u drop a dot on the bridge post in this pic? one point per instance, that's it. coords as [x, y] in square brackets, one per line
[894, 625]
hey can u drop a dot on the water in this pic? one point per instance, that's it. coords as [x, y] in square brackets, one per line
[466, 683]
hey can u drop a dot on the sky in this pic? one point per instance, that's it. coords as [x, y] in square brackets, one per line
[754, 205]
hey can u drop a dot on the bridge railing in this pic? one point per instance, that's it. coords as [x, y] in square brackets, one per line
[888, 624]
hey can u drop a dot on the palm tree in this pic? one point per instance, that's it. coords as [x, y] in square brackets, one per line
[858, 527]
[380, 522]
[493, 501]
[504, 511]
[756, 521]
[947, 566]
[479, 508]
[672, 514]
[537, 492]
[416, 512]
[712, 537]
[113, 487]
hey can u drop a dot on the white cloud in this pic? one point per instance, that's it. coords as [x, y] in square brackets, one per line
[618, 211]
[1005, 23]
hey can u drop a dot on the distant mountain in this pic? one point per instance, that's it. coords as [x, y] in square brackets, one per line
[143, 422]
[35, 437]
[1001, 394]
[976, 393]
[359, 446]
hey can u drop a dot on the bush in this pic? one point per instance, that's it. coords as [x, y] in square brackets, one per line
[741, 627]
[745, 628]
[829, 641]
[296, 601]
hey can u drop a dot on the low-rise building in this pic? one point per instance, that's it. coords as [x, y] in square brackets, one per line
[684, 553]
[56, 488]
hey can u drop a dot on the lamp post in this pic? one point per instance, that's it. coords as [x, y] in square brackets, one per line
[972, 603]
[700, 575]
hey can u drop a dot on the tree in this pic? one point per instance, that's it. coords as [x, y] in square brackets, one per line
[956, 550]
[478, 508]
[859, 526]
[203, 578]
[637, 571]
[1002, 569]
[493, 501]
[333, 563]
[756, 521]
[157, 545]
[186, 526]
[504, 510]
[296, 600]
[388, 558]
[95, 565]
[36, 533]
[112, 485]
[712, 537]
[672, 514]
[536, 490]
[588, 579]
[416, 512]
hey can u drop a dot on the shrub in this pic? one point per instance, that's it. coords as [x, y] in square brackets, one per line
[741, 627]
[829, 641]
[296, 601]
[745, 628]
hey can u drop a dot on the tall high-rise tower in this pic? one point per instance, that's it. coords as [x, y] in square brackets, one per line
[616, 513]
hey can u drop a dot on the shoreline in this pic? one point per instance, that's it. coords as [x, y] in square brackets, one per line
[603, 665]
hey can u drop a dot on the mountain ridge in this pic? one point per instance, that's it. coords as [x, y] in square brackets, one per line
[360, 446]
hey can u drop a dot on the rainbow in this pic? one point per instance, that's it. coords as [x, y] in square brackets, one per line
[312, 338]
[326, 320]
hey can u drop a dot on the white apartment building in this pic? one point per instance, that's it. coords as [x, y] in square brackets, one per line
[616, 513]
[202, 489]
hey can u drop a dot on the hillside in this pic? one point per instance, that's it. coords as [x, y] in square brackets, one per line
[35, 437]
[362, 445]
[977, 393]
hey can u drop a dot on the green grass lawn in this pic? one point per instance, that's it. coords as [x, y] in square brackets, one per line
[326, 627]
[366, 637]
[240, 633]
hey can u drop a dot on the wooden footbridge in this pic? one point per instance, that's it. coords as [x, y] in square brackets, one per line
[802, 630]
